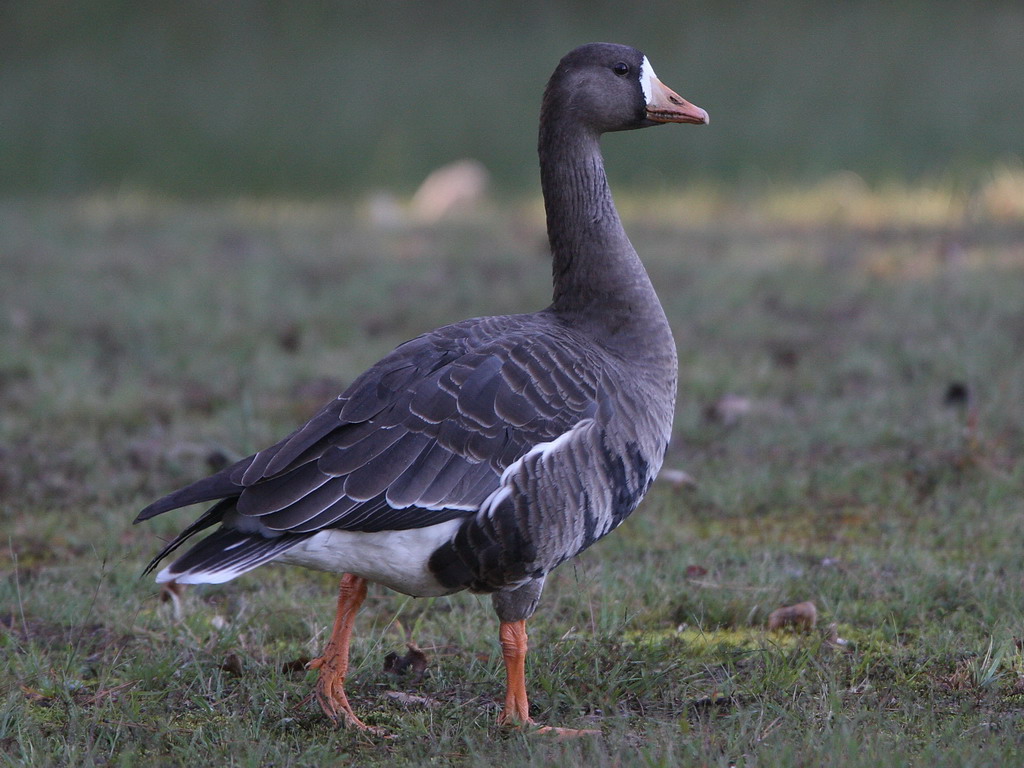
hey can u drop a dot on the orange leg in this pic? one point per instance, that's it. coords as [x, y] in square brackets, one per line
[333, 665]
[517, 705]
[513, 650]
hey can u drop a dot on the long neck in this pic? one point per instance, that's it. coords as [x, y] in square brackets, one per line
[598, 277]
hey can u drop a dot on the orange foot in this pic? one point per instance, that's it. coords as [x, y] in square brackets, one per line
[516, 713]
[330, 695]
[333, 665]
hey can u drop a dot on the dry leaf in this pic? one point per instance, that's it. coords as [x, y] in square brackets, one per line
[457, 187]
[36, 696]
[414, 661]
[232, 664]
[677, 478]
[410, 700]
[728, 409]
[802, 616]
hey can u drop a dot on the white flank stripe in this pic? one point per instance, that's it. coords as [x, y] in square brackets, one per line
[646, 73]
[544, 449]
[504, 489]
[492, 501]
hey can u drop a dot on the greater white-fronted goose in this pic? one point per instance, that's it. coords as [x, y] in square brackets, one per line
[482, 454]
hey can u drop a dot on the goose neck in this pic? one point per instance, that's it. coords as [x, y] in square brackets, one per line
[596, 271]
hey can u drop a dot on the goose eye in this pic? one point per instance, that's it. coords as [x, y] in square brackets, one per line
[621, 69]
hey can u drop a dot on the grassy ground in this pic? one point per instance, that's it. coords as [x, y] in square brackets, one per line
[873, 343]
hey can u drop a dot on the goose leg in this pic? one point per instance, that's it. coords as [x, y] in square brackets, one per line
[517, 705]
[513, 650]
[333, 664]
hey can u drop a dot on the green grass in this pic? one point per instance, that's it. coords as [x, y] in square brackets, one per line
[142, 341]
[305, 99]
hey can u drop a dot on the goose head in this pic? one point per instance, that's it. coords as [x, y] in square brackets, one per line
[608, 87]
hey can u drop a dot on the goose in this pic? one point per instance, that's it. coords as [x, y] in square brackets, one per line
[480, 455]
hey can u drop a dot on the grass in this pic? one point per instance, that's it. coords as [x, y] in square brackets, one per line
[144, 341]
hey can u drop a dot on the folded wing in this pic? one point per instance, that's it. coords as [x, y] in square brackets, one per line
[420, 438]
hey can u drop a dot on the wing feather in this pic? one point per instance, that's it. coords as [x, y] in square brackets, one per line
[263, 498]
[330, 514]
[300, 515]
[407, 489]
[421, 437]
[440, 490]
[374, 477]
[478, 392]
[342, 461]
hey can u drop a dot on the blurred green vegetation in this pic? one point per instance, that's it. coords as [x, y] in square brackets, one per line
[305, 99]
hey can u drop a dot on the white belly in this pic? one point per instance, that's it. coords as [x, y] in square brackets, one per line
[396, 559]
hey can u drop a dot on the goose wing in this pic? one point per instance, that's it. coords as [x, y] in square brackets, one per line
[421, 437]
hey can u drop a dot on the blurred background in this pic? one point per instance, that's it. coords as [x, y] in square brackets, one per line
[307, 99]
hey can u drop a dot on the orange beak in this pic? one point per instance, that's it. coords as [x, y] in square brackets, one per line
[667, 106]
